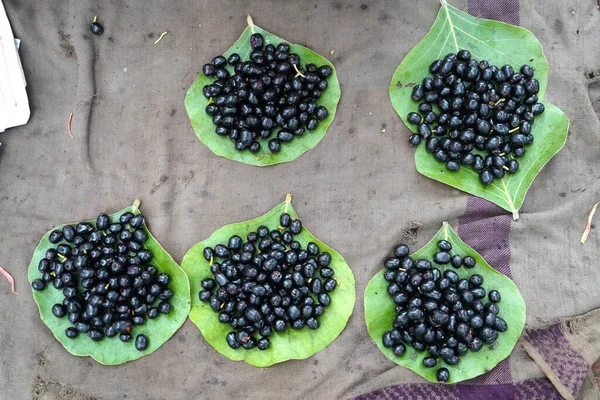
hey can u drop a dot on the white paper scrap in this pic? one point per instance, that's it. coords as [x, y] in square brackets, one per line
[14, 104]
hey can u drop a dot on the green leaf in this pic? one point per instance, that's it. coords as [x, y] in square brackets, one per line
[380, 312]
[195, 103]
[113, 351]
[291, 344]
[500, 44]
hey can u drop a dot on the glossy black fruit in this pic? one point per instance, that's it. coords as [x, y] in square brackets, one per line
[257, 41]
[486, 177]
[479, 107]
[436, 310]
[96, 28]
[270, 94]
[59, 310]
[263, 344]
[429, 362]
[269, 283]
[110, 262]
[55, 236]
[96, 335]
[469, 262]
[442, 257]
[71, 333]
[442, 375]
[494, 296]
[38, 284]
[208, 70]
[141, 342]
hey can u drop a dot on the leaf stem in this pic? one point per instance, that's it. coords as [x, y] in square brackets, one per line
[588, 226]
[445, 224]
[136, 204]
[250, 23]
[445, 7]
[288, 200]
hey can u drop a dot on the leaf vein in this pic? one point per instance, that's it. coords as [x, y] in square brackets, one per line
[485, 44]
[510, 202]
[451, 27]
[443, 46]
[430, 47]
[463, 18]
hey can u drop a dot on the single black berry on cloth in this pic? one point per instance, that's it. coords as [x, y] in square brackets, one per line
[476, 115]
[96, 27]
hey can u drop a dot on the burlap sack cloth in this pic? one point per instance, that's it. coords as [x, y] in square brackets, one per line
[358, 190]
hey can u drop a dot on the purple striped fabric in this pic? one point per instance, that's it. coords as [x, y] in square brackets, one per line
[555, 351]
[500, 10]
[486, 228]
[532, 389]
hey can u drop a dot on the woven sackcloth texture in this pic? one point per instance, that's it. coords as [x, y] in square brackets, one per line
[358, 190]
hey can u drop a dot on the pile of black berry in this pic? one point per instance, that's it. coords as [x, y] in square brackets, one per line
[267, 283]
[272, 91]
[438, 312]
[104, 275]
[476, 115]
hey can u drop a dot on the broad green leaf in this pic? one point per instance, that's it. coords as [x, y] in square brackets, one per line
[195, 103]
[113, 351]
[291, 344]
[500, 44]
[380, 312]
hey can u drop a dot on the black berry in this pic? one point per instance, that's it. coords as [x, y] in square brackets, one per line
[268, 284]
[436, 310]
[105, 277]
[482, 109]
[96, 28]
[266, 100]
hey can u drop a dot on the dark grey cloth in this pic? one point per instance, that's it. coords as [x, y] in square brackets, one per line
[358, 190]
